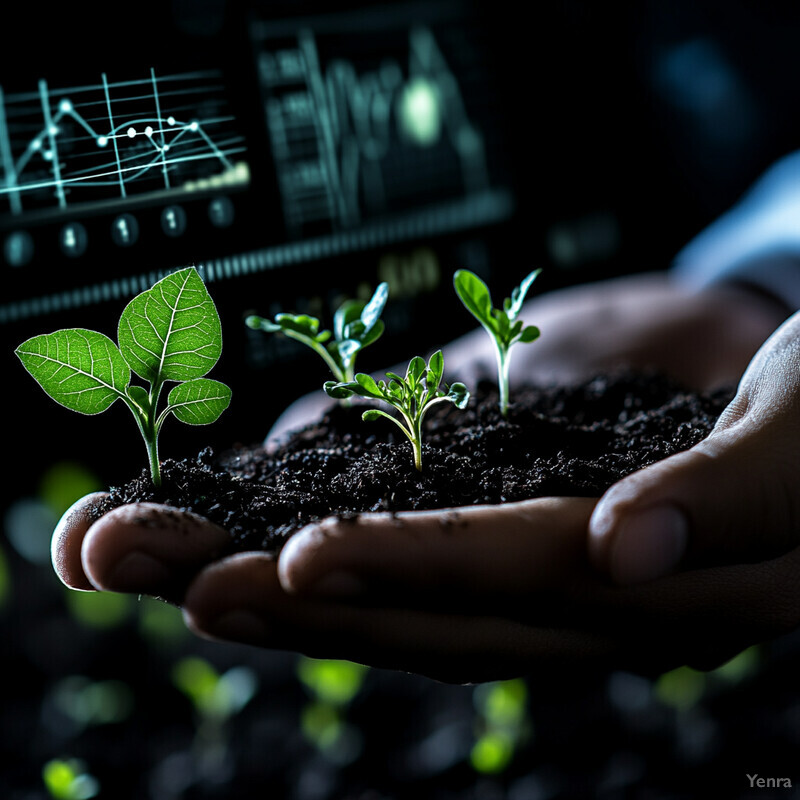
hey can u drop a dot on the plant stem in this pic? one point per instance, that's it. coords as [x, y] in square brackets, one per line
[416, 442]
[150, 433]
[155, 465]
[502, 378]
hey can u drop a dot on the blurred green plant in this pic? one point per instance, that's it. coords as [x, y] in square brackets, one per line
[65, 482]
[503, 724]
[67, 779]
[216, 698]
[335, 682]
[160, 623]
[332, 686]
[681, 688]
[214, 695]
[88, 703]
[741, 667]
[99, 610]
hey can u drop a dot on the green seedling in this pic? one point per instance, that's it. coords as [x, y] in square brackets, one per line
[170, 333]
[356, 325]
[501, 324]
[413, 396]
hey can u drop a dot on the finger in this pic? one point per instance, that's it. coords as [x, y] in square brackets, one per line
[65, 546]
[734, 496]
[704, 617]
[241, 599]
[152, 549]
[464, 553]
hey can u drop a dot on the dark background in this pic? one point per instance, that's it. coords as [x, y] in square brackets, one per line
[619, 131]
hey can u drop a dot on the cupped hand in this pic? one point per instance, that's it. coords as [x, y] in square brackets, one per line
[483, 593]
[453, 635]
[695, 557]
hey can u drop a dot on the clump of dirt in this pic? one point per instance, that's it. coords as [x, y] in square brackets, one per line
[556, 441]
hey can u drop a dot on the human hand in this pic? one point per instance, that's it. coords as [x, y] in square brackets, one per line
[481, 593]
[489, 592]
[726, 514]
[150, 549]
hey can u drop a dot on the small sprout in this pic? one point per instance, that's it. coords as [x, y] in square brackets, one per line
[501, 324]
[413, 396]
[168, 333]
[356, 325]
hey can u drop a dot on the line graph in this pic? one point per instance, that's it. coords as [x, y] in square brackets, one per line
[109, 141]
[369, 134]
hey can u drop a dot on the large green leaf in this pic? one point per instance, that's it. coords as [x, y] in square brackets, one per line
[199, 402]
[171, 332]
[81, 369]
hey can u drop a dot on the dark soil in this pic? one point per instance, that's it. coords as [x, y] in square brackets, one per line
[573, 441]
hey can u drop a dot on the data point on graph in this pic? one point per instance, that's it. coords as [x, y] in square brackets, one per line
[171, 120]
[125, 230]
[193, 126]
[420, 114]
[73, 240]
[65, 106]
[36, 144]
[148, 131]
[102, 141]
[220, 212]
[131, 132]
[47, 155]
[53, 130]
[18, 248]
[173, 221]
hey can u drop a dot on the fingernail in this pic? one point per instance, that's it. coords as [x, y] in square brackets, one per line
[239, 626]
[138, 572]
[338, 584]
[649, 545]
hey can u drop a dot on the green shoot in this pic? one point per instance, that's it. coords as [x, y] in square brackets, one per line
[501, 324]
[413, 396]
[168, 333]
[356, 325]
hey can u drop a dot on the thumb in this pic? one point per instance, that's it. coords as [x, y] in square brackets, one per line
[734, 497]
